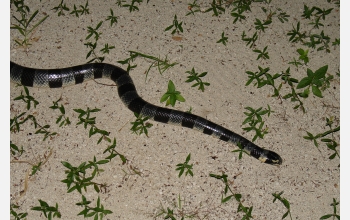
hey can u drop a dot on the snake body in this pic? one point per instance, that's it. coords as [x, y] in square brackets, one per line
[56, 78]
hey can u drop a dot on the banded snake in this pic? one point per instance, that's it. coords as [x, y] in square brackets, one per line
[56, 78]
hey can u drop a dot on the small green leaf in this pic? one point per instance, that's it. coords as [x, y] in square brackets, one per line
[309, 73]
[180, 98]
[304, 82]
[164, 97]
[226, 199]
[321, 72]
[316, 91]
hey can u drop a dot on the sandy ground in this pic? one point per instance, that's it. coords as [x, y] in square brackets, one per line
[307, 177]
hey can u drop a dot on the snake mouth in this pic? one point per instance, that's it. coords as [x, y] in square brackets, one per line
[273, 158]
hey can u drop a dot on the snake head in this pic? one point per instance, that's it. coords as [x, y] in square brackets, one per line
[271, 157]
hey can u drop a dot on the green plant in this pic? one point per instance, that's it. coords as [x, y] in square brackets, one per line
[35, 165]
[178, 210]
[77, 178]
[176, 25]
[260, 81]
[334, 215]
[285, 203]
[36, 168]
[312, 40]
[260, 25]
[336, 42]
[93, 31]
[17, 216]
[171, 95]
[223, 39]
[131, 6]
[49, 211]
[286, 76]
[162, 65]
[307, 13]
[237, 15]
[250, 40]
[295, 63]
[317, 23]
[240, 150]
[303, 55]
[189, 110]
[282, 16]
[255, 121]
[316, 39]
[320, 13]
[92, 51]
[15, 150]
[216, 8]
[83, 9]
[140, 126]
[20, 6]
[315, 80]
[262, 54]
[98, 212]
[182, 166]
[112, 18]
[195, 77]
[61, 8]
[338, 72]
[27, 98]
[193, 7]
[336, 2]
[59, 120]
[113, 153]
[106, 49]
[170, 214]
[92, 46]
[330, 142]
[24, 23]
[241, 208]
[17, 120]
[85, 119]
[75, 11]
[44, 130]
[239, 7]
[296, 35]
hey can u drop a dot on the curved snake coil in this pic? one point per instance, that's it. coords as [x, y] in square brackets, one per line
[56, 78]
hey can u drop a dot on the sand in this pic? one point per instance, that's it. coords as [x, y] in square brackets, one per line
[308, 178]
